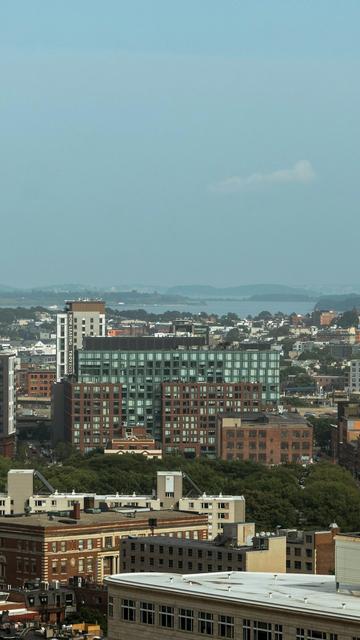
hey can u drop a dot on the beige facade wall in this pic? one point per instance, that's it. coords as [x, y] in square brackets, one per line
[220, 509]
[347, 561]
[289, 620]
[169, 488]
[20, 485]
[271, 560]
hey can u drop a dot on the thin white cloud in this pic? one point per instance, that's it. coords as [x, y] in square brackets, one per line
[302, 173]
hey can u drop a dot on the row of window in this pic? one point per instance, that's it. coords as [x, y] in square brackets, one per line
[80, 545]
[297, 565]
[83, 564]
[23, 545]
[299, 550]
[26, 565]
[206, 623]
[184, 619]
[195, 355]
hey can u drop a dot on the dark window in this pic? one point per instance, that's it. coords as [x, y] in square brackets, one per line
[128, 610]
[166, 616]
[226, 626]
[206, 623]
[186, 619]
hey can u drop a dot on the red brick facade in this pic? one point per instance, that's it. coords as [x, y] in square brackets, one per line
[8, 446]
[190, 410]
[39, 383]
[92, 414]
[133, 439]
[270, 440]
[36, 547]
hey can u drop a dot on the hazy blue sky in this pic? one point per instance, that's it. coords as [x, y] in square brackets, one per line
[178, 142]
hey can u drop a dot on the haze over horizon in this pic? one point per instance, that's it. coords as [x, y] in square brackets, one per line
[200, 142]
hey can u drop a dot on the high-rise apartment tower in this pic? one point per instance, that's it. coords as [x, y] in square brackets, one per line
[80, 318]
[7, 403]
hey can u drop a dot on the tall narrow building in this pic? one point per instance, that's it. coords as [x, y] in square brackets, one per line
[80, 318]
[7, 404]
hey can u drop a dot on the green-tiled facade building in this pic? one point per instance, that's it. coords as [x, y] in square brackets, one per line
[141, 365]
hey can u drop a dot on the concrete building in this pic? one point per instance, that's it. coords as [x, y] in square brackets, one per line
[191, 410]
[238, 605]
[55, 547]
[267, 438]
[7, 404]
[141, 365]
[310, 551]
[347, 563]
[23, 497]
[354, 376]
[80, 318]
[237, 549]
[220, 509]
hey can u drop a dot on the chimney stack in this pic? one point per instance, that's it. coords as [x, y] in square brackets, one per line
[76, 511]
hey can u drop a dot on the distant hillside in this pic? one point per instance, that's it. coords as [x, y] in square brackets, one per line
[63, 288]
[241, 291]
[339, 303]
[57, 296]
[282, 297]
[5, 289]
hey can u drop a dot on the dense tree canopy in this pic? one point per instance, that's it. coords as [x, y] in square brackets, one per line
[288, 495]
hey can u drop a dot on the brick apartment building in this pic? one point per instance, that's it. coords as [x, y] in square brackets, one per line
[345, 439]
[87, 415]
[266, 438]
[39, 382]
[190, 411]
[7, 404]
[58, 548]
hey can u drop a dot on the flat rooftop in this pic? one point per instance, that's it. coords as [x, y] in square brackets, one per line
[97, 496]
[265, 420]
[140, 343]
[205, 497]
[309, 594]
[96, 519]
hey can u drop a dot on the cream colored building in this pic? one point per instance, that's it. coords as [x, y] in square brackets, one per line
[21, 497]
[242, 606]
[347, 562]
[220, 509]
